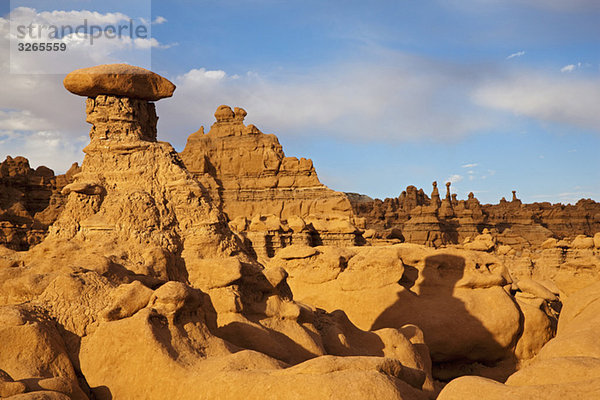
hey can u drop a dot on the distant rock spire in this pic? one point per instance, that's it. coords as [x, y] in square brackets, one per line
[240, 114]
[515, 200]
[435, 195]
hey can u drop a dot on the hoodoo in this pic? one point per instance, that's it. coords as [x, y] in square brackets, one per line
[141, 262]
[272, 200]
[222, 273]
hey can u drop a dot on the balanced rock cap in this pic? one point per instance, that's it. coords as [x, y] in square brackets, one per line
[119, 80]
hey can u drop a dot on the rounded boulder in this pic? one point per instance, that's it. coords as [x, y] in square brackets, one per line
[119, 80]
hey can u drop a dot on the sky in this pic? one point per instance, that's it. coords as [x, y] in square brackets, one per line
[492, 95]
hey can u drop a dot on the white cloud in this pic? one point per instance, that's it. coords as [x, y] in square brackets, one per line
[517, 54]
[83, 49]
[395, 99]
[20, 120]
[573, 67]
[201, 76]
[39, 119]
[30, 15]
[454, 178]
[473, 165]
[548, 98]
[159, 20]
[143, 43]
[568, 68]
[490, 172]
[44, 147]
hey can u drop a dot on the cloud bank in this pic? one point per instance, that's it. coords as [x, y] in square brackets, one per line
[383, 96]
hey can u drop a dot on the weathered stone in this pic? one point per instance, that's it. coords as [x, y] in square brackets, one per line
[118, 80]
[30, 201]
[256, 181]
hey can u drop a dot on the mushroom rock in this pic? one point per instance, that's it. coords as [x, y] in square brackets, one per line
[142, 261]
[240, 114]
[514, 197]
[119, 80]
[435, 195]
[446, 210]
[133, 198]
[454, 199]
[224, 114]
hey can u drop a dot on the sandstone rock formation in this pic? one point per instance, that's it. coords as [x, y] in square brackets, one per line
[141, 269]
[567, 367]
[230, 272]
[570, 265]
[470, 309]
[119, 80]
[30, 201]
[272, 200]
[416, 218]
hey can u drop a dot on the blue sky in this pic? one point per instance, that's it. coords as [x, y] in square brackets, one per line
[495, 95]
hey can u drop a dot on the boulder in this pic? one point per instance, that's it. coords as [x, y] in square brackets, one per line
[118, 80]
[567, 367]
[582, 242]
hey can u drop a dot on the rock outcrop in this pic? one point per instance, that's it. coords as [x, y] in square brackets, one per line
[142, 263]
[30, 201]
[570, 264]
[475, 317]
[416, 218]
[234, 273]
[272, 200]
[567, 367]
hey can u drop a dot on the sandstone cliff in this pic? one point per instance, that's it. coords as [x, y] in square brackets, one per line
[229, 272]
[414, 217]
[141, 290]
[30, 201]
[272, 200]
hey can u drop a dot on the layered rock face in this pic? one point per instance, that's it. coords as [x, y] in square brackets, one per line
[417, 218]
[271, 199]
[142, 289]
[570, 264]
[141, 269]
[30, 201]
